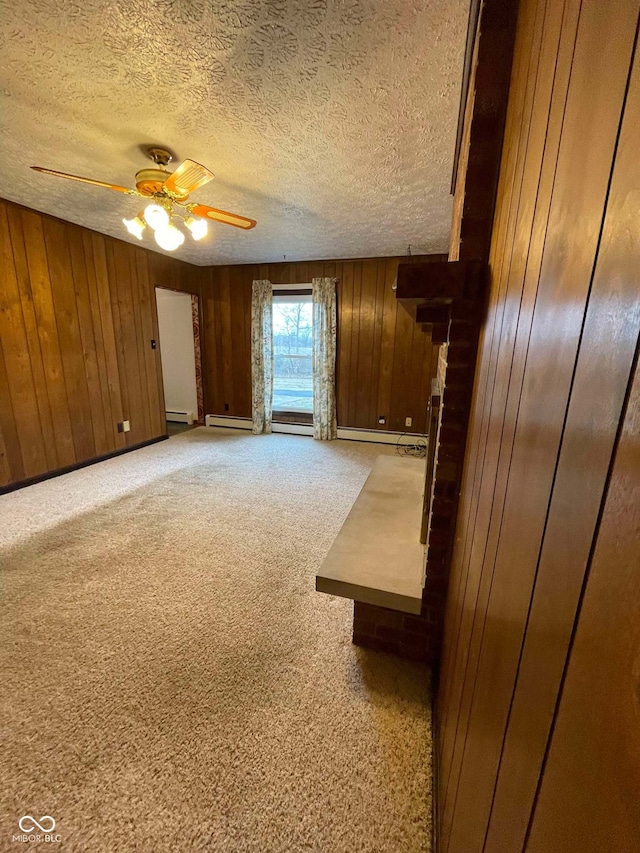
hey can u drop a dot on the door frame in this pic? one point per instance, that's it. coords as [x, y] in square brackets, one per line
[197, 347]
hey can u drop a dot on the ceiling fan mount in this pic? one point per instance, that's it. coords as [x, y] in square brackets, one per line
[169, 192]
[160, 156]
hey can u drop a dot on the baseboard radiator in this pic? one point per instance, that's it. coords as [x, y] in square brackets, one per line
[345, 433]
[180, 417]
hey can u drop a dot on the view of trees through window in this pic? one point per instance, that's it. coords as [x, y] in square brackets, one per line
[293, 378]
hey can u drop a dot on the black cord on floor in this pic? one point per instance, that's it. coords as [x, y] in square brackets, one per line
[415, 447]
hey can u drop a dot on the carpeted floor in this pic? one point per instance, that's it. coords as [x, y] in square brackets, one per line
[171, 680]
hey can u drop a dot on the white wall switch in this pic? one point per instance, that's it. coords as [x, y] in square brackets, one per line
[408, 421]
[126, 426]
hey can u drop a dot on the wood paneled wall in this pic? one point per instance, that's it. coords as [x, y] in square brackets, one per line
[385, 362]
[78, 313]
[556, 358]
[587, 798]
[77, 316]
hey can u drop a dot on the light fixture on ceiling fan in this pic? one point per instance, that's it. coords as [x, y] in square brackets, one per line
[168, 193]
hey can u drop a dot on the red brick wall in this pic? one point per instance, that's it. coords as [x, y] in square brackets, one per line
[419, 637]
[391, 631]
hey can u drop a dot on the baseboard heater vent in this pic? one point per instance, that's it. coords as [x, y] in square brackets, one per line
[180, 417]
[345, 433]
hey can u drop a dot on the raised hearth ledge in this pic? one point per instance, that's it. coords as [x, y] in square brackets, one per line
[377, 557]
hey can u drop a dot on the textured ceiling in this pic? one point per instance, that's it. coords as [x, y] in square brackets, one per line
[331, 122]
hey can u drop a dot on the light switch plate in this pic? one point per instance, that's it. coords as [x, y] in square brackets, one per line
[126, 426]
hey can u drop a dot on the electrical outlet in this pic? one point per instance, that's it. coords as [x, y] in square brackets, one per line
[408, 421]
[226, 407]
[126, 426]
[382, 419]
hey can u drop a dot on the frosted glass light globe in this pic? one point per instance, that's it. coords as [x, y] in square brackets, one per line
[169, 238]
[135, 227]
[156, 216]
[198, 227]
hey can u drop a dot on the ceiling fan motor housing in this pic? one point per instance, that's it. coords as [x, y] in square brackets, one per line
[149, 181]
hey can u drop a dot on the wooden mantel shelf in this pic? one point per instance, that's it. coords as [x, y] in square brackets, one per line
[377, 557]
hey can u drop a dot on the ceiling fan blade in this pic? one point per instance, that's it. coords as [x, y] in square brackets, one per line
[222, 216]
[114, 187]
[187, 178]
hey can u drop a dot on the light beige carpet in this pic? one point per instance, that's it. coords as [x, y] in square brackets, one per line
[171, 680]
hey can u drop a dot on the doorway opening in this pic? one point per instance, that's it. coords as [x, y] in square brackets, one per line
[179, 334]
[292, 356]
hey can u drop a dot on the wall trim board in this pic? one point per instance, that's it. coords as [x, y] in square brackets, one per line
[49, 475]
[345, 433]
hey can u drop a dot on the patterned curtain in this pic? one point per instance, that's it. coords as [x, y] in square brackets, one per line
[324, 358]
[262, 355]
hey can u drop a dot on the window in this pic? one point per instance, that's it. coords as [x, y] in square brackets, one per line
[292, 331]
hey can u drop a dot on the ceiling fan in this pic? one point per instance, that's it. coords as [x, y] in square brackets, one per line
[168, 192]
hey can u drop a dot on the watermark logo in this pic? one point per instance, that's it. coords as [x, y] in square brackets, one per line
[28, 823]
[37, 831]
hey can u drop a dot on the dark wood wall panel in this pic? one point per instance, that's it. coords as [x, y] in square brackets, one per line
[77, 316]
[588, 798]
[96, 255]
[11, 467]
[611, 325]
[563, 292]
[68, 330]
[385, 362]
[30, 313]
[78, 313]
[17, 363]
[493, 424]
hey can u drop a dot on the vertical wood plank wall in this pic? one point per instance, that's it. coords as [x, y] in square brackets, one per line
[385, 362]
[589, 789]
[556, 357]
[78, 313]
[595, 749]
[77, 316]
